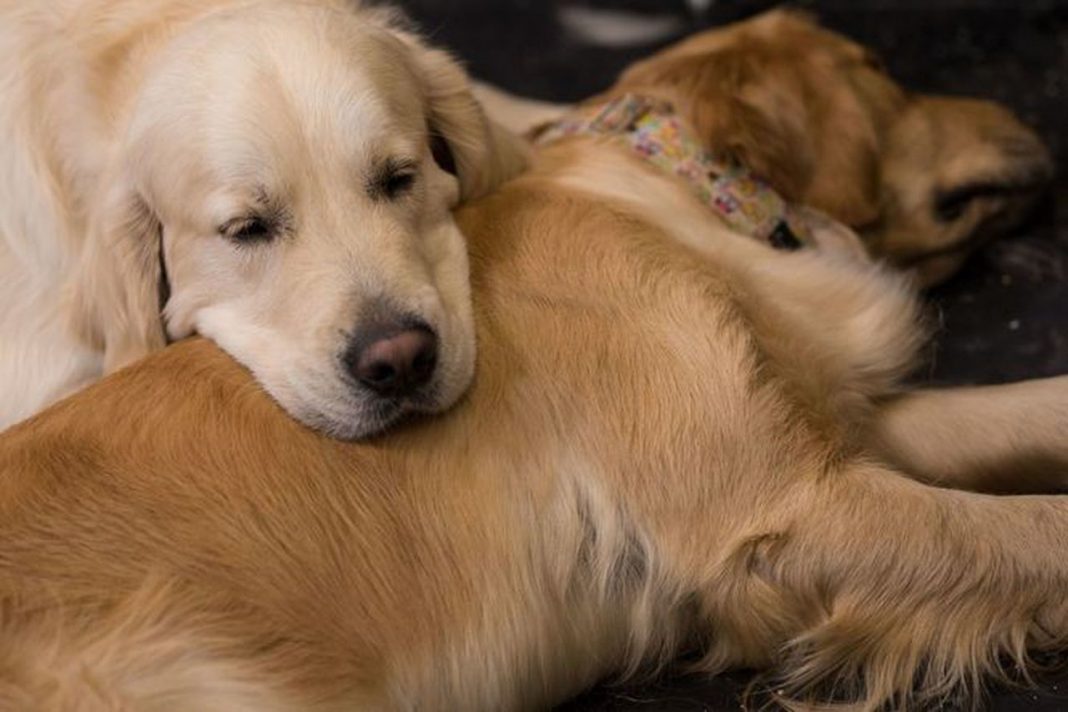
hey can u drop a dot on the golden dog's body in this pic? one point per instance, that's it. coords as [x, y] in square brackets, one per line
[640, 463]
[666, 445]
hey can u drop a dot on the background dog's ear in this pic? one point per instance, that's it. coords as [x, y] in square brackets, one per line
[115, 293]
[478, 151]
[812, 134]
[784, 105]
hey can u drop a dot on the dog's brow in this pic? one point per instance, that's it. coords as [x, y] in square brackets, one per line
[263, 204]
[263, 197]
[269, 202]
[395, 164]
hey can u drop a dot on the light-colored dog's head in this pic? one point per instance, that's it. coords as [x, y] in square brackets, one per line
[285, 188]
[923, 179]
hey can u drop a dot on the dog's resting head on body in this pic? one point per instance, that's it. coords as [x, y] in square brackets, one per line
[173, 541]
[284, 187]
[923, 179]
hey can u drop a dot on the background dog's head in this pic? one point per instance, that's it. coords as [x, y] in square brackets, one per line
[285, 188]
[922, 179]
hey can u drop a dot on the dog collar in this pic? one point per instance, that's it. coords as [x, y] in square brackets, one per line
[652, 129]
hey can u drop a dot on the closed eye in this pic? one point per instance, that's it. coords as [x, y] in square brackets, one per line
[951, 204]
[398, 183]
[395, 178]
[248, 230]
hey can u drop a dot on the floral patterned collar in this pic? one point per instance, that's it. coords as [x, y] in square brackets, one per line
[653, 130]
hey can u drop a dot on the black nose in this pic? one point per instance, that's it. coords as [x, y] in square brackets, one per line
[393, 361]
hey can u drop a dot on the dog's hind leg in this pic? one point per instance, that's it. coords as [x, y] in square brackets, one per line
[876, 587]
[1010, 438]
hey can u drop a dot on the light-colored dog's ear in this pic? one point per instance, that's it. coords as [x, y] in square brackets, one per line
[483, 154]
[116, 289]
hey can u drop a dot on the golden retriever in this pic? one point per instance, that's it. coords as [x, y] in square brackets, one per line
[262, 173]
[923, 179]
[678, 437]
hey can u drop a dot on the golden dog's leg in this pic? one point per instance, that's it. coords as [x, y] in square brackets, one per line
[900, 594]
[1010, 438]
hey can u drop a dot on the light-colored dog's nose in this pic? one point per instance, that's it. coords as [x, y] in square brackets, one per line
[394, 362]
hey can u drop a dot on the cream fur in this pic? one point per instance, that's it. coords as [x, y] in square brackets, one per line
[677, 439]
[813, 114]
[121, 121]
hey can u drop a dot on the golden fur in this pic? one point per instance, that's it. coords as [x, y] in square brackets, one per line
[135, 132]
[667, 445]
[923, 179]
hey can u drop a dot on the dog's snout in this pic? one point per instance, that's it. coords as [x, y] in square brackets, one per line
[394, 361]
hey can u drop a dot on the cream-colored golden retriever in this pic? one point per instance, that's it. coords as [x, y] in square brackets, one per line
[678, 437]
[259, 172]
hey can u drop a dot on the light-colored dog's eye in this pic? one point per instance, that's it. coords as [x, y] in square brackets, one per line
[246, 230]
[394, 178]
[397, 183]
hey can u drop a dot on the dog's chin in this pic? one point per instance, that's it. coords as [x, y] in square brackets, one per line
[360, 415]
[364, 423]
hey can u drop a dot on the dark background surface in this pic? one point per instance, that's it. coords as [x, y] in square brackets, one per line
[1004, 317]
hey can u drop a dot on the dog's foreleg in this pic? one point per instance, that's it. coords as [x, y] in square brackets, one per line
[1006, 438]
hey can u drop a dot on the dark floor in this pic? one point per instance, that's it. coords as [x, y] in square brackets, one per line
[1005, 317]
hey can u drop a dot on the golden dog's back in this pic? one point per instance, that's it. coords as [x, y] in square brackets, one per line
[171, 535]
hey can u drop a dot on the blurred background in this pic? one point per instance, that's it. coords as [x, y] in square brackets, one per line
[1004, 317]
